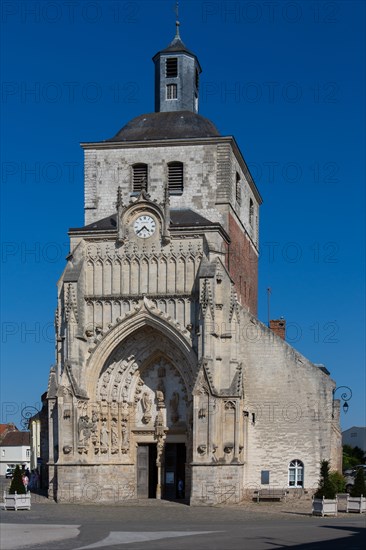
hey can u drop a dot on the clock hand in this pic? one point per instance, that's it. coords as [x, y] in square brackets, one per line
[143, 227]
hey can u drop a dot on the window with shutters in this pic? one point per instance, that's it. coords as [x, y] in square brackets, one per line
[296, 474]
[171, 67]
[171, 91]
[139, 177]
[175, 178]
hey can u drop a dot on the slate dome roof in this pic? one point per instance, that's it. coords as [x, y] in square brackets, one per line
[166, 125]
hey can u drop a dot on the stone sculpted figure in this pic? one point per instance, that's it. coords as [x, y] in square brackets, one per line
[104, 439]
[114, 433]
[146, 404]
[125, 438]
[85, 426]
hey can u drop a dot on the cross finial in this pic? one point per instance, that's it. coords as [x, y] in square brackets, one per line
[177, 24]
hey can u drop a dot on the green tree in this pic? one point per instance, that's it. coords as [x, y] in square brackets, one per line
[352, 456]
[359, 487]
[326, 487]
[17, 485]
[338, 481]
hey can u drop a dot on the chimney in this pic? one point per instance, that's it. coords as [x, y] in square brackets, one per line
[279, 327]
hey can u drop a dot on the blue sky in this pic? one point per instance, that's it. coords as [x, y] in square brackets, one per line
[285, 78]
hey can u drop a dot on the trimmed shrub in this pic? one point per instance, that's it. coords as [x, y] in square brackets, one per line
[17, 485]
[359, 487]
[338, 482]
[326, 487]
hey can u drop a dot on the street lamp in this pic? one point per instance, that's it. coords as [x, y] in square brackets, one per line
[345, 396]
[27, 413]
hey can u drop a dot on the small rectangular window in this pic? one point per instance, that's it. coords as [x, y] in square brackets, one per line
[171, 67]
[171, 91]
[251, 212]
[265, 477]
[237, 188]
[197, 79]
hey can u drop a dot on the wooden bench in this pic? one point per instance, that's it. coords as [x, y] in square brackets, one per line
[270, 494]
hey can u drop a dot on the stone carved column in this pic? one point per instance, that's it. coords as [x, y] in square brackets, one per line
[160, 436]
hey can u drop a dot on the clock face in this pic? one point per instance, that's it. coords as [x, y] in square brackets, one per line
[144, 226]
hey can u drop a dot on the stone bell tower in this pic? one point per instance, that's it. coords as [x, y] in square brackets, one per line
[160, 358]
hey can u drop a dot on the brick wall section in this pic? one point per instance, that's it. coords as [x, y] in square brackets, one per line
[279, 327]
[242, 262]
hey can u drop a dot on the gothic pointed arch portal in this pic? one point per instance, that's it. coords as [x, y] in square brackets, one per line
[143, 404]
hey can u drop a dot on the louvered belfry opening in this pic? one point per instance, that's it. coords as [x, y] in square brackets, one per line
[175, 178]
[139, 177]
[171, 67]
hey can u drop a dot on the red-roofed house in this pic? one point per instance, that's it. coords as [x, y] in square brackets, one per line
[14, 449]
[5, 428]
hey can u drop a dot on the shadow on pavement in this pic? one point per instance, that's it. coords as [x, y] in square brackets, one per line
[354, 541]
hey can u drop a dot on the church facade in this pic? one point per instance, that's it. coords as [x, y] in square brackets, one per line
[166, 385]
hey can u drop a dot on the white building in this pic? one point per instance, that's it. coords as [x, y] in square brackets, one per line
[14, 450]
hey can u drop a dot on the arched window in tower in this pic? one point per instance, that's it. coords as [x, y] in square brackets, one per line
[171, 67]
[237, 188]
[175, 178]
[251, 212]
[171, 91]
[139, 177]
[296, 474]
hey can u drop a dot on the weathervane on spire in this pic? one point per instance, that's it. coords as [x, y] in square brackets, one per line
[177, 24]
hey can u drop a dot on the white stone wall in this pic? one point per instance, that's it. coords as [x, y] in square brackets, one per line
[291, 400]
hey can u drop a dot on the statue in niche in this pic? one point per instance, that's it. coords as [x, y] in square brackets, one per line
[104, 435]
[94, 427]
[138, 390]
[85, 430]
[124, 412]
[146, 404]
[174, 404]
[115, 393]
[124, 393]
[106, 377]
[159, 425]
[125, 438]
[114, 433]
[160, 393]
[103, 392]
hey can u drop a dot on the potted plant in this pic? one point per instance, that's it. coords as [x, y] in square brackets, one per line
[17, 498]
[324, 500]
[357, 500]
